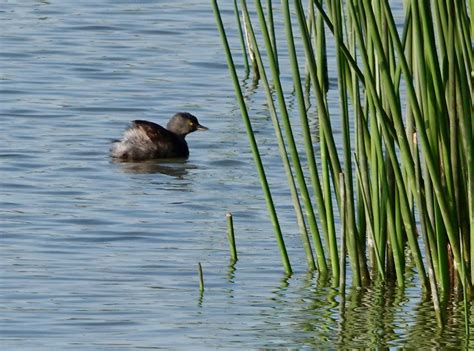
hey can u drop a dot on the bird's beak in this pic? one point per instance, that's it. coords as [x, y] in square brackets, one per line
[201, 127]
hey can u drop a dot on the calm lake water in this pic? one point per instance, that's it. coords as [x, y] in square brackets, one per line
[97, 255]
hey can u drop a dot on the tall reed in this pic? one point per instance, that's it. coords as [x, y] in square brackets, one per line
[253, 142]
[405, 92]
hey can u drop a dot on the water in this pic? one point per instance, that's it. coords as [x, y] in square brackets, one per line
[103, 256]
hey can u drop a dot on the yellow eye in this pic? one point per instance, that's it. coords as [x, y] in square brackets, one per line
[191, 123]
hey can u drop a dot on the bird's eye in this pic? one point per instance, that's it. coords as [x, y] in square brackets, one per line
[191, 123]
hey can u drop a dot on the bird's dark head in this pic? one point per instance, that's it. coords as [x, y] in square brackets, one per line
[184, 123]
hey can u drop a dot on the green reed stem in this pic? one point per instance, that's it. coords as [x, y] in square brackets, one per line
[253, 142]
[304, 122]
[326, 142]
[342, 262]
[343, 47]
[464, 78]
[366, 201]
[241, 35]
[421, 132]
[231, 238]
[358, 263]
[201, 278]
[250, 48]
[361, 135]
[320, 44]
[322, 204]
[465, 298]
[282, 150]
[322, 266]
[271, 29]
[386, 133]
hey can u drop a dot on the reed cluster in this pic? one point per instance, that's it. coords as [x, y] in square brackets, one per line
[401, 185]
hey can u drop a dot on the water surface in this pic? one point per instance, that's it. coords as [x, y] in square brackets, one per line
[101, 255]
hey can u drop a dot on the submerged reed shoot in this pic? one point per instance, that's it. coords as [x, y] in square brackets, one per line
[201, 278]
[231, 238]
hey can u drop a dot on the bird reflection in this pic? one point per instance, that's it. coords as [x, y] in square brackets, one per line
[175, 168]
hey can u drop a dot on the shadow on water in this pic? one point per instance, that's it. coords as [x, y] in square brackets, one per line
[177, 168]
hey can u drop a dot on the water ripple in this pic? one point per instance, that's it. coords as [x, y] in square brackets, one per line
[97, 254]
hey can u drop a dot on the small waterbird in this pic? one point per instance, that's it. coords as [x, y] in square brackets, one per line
[145, 140]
